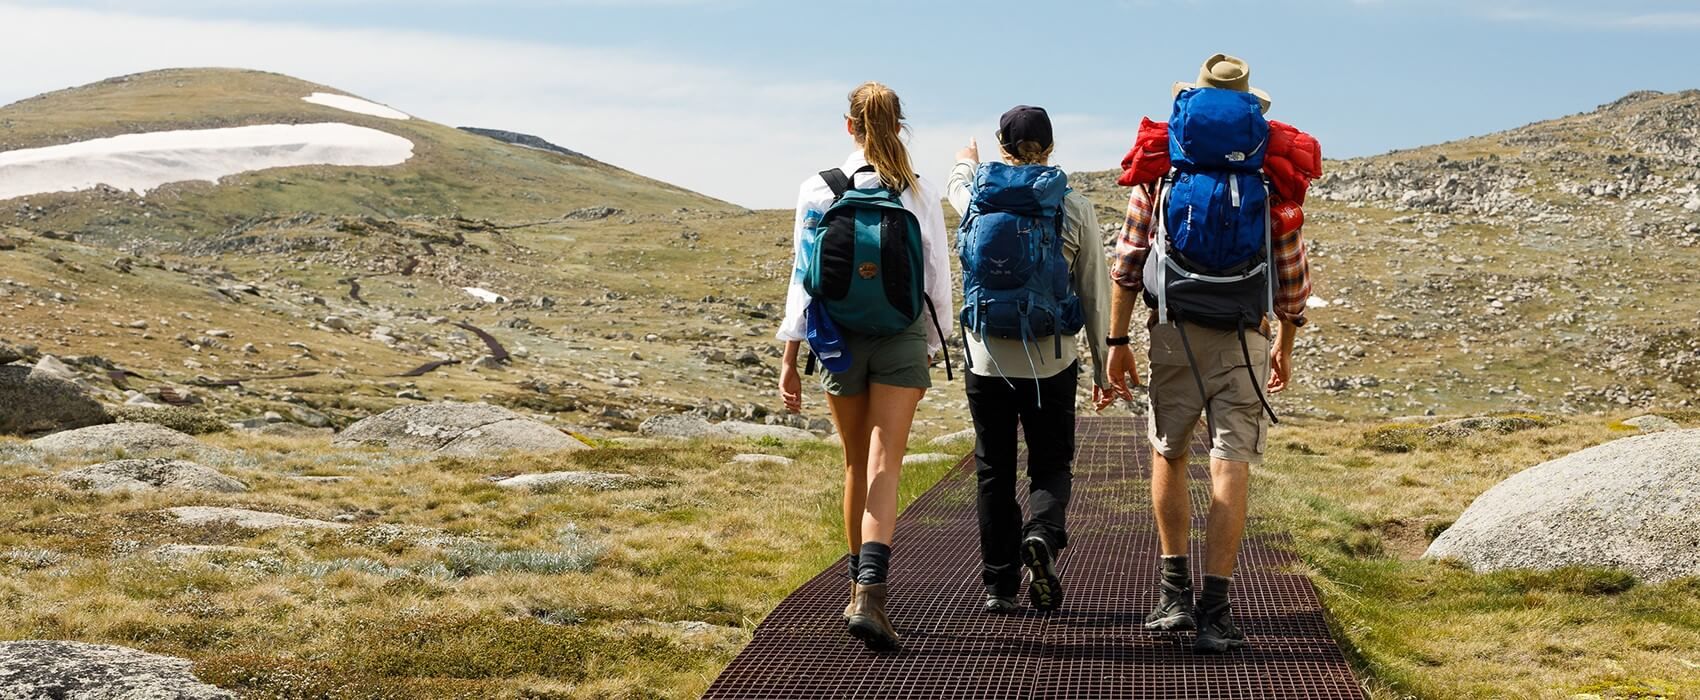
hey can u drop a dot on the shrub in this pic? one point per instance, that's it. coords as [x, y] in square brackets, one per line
[183, 420]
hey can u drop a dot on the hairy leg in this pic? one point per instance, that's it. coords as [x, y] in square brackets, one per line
[1171, 504]
[891, 410]
[850, 416]
[1228, 486]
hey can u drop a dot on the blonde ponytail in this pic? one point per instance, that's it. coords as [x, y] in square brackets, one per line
[876, 115]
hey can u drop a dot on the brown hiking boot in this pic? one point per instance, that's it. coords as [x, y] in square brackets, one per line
[868, 621]
[851, 606]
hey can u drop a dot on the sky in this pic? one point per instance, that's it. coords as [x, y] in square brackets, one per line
[743, 99]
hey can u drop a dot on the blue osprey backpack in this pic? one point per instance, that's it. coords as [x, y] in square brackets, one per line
[1015, 280]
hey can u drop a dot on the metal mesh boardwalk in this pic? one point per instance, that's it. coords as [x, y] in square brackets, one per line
[1093, 647]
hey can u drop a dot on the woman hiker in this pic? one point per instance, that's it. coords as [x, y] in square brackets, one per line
[871, 265]
[1023, 368]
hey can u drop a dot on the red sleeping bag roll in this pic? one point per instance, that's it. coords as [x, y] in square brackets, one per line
[1294, 159]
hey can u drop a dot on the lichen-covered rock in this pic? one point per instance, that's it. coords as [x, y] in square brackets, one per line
[33, 402]
[1632, 504]
[686, 426]
[151, 474]
[251, 519]
[595, 481]
[129, 439]
[456, 428]
[78, 671]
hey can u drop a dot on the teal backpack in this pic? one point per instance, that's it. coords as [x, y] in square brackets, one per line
[864, 260]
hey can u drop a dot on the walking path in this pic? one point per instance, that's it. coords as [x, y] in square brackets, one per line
[1094, 647]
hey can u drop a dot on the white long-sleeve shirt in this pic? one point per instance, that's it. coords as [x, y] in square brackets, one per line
[814, 196]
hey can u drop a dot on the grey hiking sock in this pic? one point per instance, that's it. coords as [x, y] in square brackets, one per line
[875, 558]
[1174, 571]
[1215, 591]
[855, 566]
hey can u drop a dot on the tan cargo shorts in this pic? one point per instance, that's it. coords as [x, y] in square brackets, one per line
[1241, 429]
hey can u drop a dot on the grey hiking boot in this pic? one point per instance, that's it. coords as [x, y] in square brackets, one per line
[1044, 591]
[868, 621]
[1217, 632]
[1174, 611]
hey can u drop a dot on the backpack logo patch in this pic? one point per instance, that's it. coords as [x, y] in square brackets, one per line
[868, 270]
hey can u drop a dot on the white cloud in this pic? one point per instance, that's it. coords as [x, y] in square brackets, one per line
[1591, 18]
[745, 138]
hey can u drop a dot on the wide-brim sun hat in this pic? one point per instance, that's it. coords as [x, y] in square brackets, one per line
[1225, 72]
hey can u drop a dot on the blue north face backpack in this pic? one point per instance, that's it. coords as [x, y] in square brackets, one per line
[1015, 280]
[864, 262]
[1211, 261]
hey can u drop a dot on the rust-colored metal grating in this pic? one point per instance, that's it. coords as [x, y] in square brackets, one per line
[1094, 647]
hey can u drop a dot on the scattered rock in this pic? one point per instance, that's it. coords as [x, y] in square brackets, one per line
[78, 671]
[131, 439]
[953, 438]
[1631, 504]
[684, 426]
[151, 474]
[456, 428]
[926, 457]
[251, 519]
[173, 552]
[595, 481]
[763, 459]
[1652, 423]
[34, 403]
[9, 354]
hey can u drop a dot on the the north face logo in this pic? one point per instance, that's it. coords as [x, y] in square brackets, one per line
[868, 270]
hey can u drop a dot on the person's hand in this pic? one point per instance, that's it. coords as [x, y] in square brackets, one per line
[791, 387]
[1280, 369]
[970, 152]
[1102, 397]
[1122, 367]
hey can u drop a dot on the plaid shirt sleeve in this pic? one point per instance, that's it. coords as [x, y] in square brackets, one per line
[1292, 267]
[1292, 277]
[1134, 243]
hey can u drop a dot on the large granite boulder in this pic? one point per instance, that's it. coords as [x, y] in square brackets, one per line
[36, 402]
[687, 426]
[150, 475]
[129, 439]
[457, 429]
[1632, 504]
[78, 671]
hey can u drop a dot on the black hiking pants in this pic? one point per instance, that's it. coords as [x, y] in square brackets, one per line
[1044, 410]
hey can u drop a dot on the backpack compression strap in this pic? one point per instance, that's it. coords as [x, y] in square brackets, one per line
[948, 375]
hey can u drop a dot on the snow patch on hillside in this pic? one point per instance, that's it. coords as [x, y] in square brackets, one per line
[141, 162]
[355, 105]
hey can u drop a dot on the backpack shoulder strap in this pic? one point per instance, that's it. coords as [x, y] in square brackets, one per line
[837, 180]
[840, 182]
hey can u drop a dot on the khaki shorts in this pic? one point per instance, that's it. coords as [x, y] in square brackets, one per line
[893, 360]
[1241, 429]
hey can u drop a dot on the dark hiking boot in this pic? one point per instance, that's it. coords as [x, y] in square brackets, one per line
[1174, 611]
[851, 606]
[1217, 632]
[1044, 591]
[868, 621]
[1000, 605]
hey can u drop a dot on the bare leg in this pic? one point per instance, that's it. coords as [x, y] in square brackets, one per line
[1228, 482]
[850, 416]
[891, 410]
[1171, 503]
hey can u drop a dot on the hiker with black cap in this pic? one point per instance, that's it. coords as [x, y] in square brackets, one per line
[1033, 276]
[1214, 248]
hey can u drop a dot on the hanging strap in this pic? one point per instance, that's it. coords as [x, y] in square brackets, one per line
[931, 311]
[1255, 385]
[841, 183]
[809, 366]
[1209, 415]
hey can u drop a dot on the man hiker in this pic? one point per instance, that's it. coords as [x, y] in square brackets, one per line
[1033, 277]
[1214, 250]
